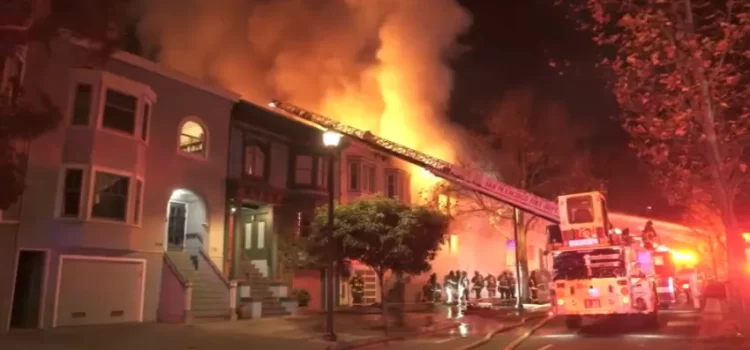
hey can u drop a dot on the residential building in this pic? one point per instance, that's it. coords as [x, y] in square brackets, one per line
[277, 176]
[135, 169]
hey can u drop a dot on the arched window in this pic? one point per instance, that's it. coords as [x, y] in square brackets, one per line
[193, 138]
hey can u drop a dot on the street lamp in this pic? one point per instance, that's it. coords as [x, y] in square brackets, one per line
[331, 140]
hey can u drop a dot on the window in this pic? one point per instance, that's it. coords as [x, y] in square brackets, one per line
[137, 204]
[369, 178]
[580, 210]
[322, 174]
[81, 105]
[119, 112]
[354, 175]
[12, 69]
[255, 161]
[393, 183]
[144, 121]
[303, 170]
[70, 206]
[192, 138]
[110, 196]
[248, 235]
[261, 234]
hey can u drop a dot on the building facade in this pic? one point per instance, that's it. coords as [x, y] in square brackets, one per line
[136, 168]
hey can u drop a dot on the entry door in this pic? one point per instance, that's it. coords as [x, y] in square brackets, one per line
[176, 225]
[256, 241]
[27, 298]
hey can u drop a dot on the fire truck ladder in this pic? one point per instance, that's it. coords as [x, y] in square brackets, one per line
[472, 179]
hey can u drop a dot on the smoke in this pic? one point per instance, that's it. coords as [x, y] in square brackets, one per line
[380, 65]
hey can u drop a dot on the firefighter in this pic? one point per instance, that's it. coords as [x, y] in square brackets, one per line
[431, 290]
[450, 283]
[649, 236]
[357, 284]
[512, 288]
[533, 285]
[463, 287]
[491, 283]
[477, 284]
[503, 285]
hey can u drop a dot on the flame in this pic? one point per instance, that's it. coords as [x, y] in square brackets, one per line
[376, 65]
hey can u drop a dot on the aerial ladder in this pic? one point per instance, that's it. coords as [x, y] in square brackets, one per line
[469, 178]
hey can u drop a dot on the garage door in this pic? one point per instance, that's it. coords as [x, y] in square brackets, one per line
[99, 291]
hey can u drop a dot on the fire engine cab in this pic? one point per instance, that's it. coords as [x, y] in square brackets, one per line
[598, 271]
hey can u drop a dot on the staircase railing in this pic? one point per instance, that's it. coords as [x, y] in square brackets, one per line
[231, 285]
[187, 288]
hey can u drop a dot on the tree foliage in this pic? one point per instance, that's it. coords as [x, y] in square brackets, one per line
[382, 233]
[26, 112]
[680, 70]
[529, 144]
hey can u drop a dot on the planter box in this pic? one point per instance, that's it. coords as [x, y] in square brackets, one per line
[250, 309]
[290, 305]
[279, 290]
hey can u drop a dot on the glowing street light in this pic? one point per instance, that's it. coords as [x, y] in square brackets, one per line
[331, 138]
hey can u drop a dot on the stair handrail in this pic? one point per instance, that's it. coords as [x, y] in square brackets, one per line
[216, 269]
[180, 277]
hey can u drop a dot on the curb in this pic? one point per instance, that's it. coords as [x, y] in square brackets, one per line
[531, 331]
[378, 341]
[494, 332]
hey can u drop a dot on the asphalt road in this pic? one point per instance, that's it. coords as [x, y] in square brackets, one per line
[678, 330]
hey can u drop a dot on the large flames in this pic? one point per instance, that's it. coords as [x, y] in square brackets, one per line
[379, 65]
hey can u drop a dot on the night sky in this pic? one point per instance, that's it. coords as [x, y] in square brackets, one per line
[509, 46]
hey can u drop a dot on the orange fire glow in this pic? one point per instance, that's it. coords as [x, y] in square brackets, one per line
[376, 65]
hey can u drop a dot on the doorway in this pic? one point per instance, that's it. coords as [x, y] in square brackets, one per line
[28, 290]
[176, 225]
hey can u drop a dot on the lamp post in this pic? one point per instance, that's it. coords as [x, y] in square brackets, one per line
[331, 141]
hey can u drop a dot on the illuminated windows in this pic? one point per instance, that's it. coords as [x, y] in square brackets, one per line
[193, 138]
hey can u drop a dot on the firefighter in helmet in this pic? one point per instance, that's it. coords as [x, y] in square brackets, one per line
[491, 283]
[649, 236]
[503, 285]
[477, 284]
[357, 284]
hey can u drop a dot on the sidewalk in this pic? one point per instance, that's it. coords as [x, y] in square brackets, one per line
[302, 332]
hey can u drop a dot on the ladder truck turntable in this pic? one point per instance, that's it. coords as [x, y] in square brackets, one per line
[599, 271]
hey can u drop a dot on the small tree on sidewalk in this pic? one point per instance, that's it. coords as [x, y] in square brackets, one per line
[383, 233]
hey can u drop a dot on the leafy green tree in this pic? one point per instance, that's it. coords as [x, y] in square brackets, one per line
[530, 144]
[26, 112]
[383, 233]
[680, 70]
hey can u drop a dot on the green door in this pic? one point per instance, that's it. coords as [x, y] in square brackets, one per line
[256, 241]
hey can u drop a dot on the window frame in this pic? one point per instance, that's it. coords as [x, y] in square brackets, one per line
[351, 163]
[321, 172]
[102, 81]
[399, 174]
[60, 198]
[369, 180]
[295, 169]
[20, 54]
[72, 105]
[206, 139]
[264, 148]
[137, 211]
[130, 199]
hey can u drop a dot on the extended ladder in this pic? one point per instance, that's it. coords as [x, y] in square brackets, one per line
[469, 178]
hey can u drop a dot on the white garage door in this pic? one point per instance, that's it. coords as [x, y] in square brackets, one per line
[99, 291]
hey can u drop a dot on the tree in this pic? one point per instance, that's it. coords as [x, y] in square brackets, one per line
[382, 233]
[529, 144]
[680, 71]
[26, 112]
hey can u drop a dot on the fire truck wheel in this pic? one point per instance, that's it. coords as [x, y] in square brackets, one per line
[573, 322]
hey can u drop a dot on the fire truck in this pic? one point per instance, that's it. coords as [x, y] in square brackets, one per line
[599, 271]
